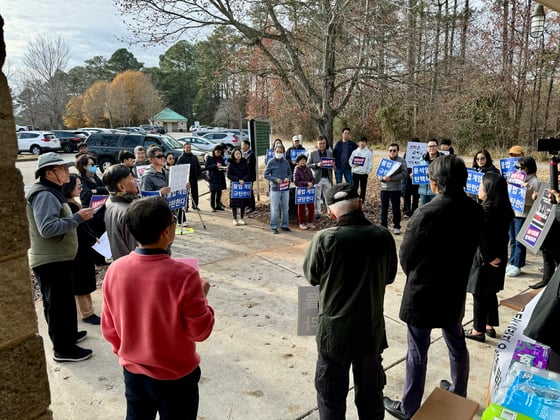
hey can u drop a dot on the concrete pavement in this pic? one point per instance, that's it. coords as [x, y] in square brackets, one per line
[254, 366]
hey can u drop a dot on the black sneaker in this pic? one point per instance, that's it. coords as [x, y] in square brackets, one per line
[77, 354]
[81, 336]
[92, 319]
[286, 229]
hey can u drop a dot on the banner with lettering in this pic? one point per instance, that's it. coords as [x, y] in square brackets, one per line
[420, 175]
[387, 167]
[538, 222]
[305, 195]
[241, 191]
[507, 166]
[474, 178]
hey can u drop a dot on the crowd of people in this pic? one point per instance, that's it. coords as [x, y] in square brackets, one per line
[351, 327]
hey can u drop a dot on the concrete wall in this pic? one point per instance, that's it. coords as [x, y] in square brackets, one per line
[24, 386]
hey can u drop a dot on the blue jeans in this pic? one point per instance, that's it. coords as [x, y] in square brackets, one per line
[172, 399]
[517, 251]
[332, 383]
[279, 200]
[417, 361]
[347, 176]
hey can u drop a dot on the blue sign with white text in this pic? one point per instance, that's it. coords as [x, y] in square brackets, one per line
[517, 197]
[507, 166]
[305, 195]
[420, 175]
[474, 179]
[241, 191]
[176, 199]
[386, 167]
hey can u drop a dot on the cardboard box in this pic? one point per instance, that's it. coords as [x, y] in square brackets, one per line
[444, 405]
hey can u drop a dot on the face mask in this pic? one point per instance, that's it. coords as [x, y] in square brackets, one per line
[92, 169]
[278, 155]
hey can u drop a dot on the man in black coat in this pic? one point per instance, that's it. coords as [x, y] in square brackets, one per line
[249, 155]
[436, 255]
[188, 158]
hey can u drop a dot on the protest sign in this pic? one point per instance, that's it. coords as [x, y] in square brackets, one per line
[358, 161]
[241, 191]
[269, 155]
[414, 153]
[141, 169]
[176, 199]
[178, 177]
[387, 167]
[97, 201]
[305, 195]
[420, 175]
[294, 153]
[102, 246]
[517, 178]
[474, 179]
[284, 186]
[517, 197]
[327, 162]
[507, 166]
[538, 222]
[308, 310]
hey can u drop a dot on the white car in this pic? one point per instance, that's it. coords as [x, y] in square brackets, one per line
[37, 142]
[197, 143]
[20, 128]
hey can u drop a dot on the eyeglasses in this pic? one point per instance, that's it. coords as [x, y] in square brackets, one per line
[159, 156]
[173, 220]
[432, 145]
[393, 150]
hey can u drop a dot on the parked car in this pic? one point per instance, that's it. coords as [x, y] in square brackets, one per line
[229, 139]
[197, 143]
[69, 139]
[139, 130]
[154, 129]
[37, 142]
[20, 128]
[105, 147]
[242, 134]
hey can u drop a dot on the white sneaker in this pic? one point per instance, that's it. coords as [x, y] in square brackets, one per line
[302, 226]
[513, 271]
[397, 231]
[310, 226]
[242, 222]
[235, 222]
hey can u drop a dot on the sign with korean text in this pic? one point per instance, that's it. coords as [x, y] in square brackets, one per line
[178, 177]
[241, 191]
[387, 167]
[269, 155]
[414, 152]
[308, 310]
[327, 162]
[176, 199]
[517, 197]
[507, 166]
[358, 160]
[538, 222]
[517, 178]
[294, 153]
[97, 201]
[284, 186]
[305, 195]
[420, 175]
[474, 179]
[141, 169]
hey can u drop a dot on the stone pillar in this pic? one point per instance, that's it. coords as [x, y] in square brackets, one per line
[24, 386]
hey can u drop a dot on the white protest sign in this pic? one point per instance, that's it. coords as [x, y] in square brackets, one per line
[414, 153]
[178, 177]
[103, 246]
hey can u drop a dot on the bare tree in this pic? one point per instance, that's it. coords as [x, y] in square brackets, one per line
[317, 49]
[45, 61]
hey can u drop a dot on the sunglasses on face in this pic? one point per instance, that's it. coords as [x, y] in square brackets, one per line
[159, 156]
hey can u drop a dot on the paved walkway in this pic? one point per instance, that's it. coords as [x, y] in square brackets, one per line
[254, 366]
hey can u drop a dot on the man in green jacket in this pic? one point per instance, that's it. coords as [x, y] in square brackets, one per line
[351, 293]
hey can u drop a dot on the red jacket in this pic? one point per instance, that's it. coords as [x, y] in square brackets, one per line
[154, 310]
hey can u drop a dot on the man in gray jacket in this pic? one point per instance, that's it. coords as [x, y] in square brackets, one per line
[391, 190]
[123, 190]
[54, 244]
[321, 162]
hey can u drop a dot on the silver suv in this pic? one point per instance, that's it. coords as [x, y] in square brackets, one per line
[37, 142]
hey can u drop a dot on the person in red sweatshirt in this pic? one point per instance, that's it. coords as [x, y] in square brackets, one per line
[154, 333]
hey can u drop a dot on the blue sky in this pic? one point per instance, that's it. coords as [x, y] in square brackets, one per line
[89, 27]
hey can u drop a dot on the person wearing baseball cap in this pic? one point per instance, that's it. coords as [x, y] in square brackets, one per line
[54, 243]
[516, 151]
[351, 328]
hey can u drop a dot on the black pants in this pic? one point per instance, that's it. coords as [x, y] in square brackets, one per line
[360, 180]
[332, 383]
[216, 199]
[410, 197]
[485, 311]
[252, 199]
[194, 192]
[395, 198]
[172, 399]
[59, 306]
